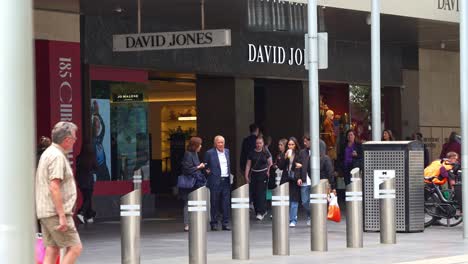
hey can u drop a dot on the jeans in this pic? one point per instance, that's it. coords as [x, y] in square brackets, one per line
[293, 206]
[305, 197]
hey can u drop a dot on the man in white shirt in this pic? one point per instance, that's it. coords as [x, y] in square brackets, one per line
[218, 168]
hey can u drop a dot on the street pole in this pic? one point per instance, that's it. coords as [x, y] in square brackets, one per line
[318, 226]
[464, 103]
[375, 47]
[17, 155]
[313, 92]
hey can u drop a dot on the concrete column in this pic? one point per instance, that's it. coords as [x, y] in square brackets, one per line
[244, 115]
[17, 156]
[279, 107]
[225, 106]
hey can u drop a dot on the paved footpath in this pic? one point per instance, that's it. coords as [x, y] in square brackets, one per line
[163, 241]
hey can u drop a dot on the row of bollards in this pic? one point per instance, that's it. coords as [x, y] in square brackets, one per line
[198, 204]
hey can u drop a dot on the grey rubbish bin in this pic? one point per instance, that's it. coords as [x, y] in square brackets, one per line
[406, 160]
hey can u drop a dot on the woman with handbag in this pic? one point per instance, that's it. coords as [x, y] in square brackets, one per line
[192, 177]
[351, 155]
[289, 163]
[257, 171]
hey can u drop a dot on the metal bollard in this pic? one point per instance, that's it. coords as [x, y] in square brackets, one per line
[197, 232]
[280, 207]
[130, 227]
[354, 216]
[318, 221]
[137, 179]
[240, 223]
[388, 212]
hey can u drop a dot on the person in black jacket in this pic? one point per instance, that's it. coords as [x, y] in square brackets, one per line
[248, 145]
[86, 167]
[351, 156]
[191, 166]
[289, 163]
[327, 170]
[305, 180]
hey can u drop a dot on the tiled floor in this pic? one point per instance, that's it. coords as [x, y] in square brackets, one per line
[163, 241]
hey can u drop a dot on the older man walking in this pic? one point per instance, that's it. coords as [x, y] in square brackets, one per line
[56, 196]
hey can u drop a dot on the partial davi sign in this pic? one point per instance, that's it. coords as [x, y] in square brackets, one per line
[172, 40]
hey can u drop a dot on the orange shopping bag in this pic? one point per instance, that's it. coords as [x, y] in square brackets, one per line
[334, 213]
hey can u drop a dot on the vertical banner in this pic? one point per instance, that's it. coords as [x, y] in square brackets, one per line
[101, 139]
[65, 87]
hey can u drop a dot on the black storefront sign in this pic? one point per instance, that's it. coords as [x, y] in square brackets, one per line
[128, 97]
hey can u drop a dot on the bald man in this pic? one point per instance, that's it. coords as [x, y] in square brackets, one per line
[218, 168]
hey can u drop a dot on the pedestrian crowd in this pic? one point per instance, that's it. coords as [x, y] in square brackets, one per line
[56, 192]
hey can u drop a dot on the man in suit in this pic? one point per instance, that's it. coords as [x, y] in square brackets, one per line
[218, 168]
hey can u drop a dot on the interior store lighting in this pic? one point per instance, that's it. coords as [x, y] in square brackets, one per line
[187, 118]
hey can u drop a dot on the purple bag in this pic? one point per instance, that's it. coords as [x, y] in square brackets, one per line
[186, 182]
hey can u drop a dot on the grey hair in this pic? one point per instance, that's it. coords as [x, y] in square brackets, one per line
[62, 130]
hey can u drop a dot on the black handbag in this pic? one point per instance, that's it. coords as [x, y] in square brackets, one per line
[272, 181]
[291, 175]
[186, 182]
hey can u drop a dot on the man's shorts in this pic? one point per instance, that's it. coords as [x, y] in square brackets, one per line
[54, 238]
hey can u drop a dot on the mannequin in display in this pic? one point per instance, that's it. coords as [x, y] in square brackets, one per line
[328, 135]
[323, 109]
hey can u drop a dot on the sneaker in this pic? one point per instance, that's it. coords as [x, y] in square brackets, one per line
[308, 222]
[81, 218]
[260, 217]
[90, 220]
[186, 228]
[292, 224]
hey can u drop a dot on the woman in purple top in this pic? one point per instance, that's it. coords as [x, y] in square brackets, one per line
[351, 155]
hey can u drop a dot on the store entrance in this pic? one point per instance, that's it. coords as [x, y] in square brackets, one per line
[172, 120]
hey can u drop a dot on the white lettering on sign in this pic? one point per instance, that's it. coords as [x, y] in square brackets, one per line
[172, 40]
[275, 55]
[66, 93]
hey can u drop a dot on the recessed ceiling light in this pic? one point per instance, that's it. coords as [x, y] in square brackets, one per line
[118, 9]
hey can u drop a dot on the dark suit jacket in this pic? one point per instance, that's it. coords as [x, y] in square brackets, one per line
[212, 163]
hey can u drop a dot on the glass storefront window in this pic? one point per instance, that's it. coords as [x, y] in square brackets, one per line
[120, 130]
[360, 111]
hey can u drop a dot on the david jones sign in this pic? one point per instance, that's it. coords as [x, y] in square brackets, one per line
[276, 55]
[172, 40]
[449, 5]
